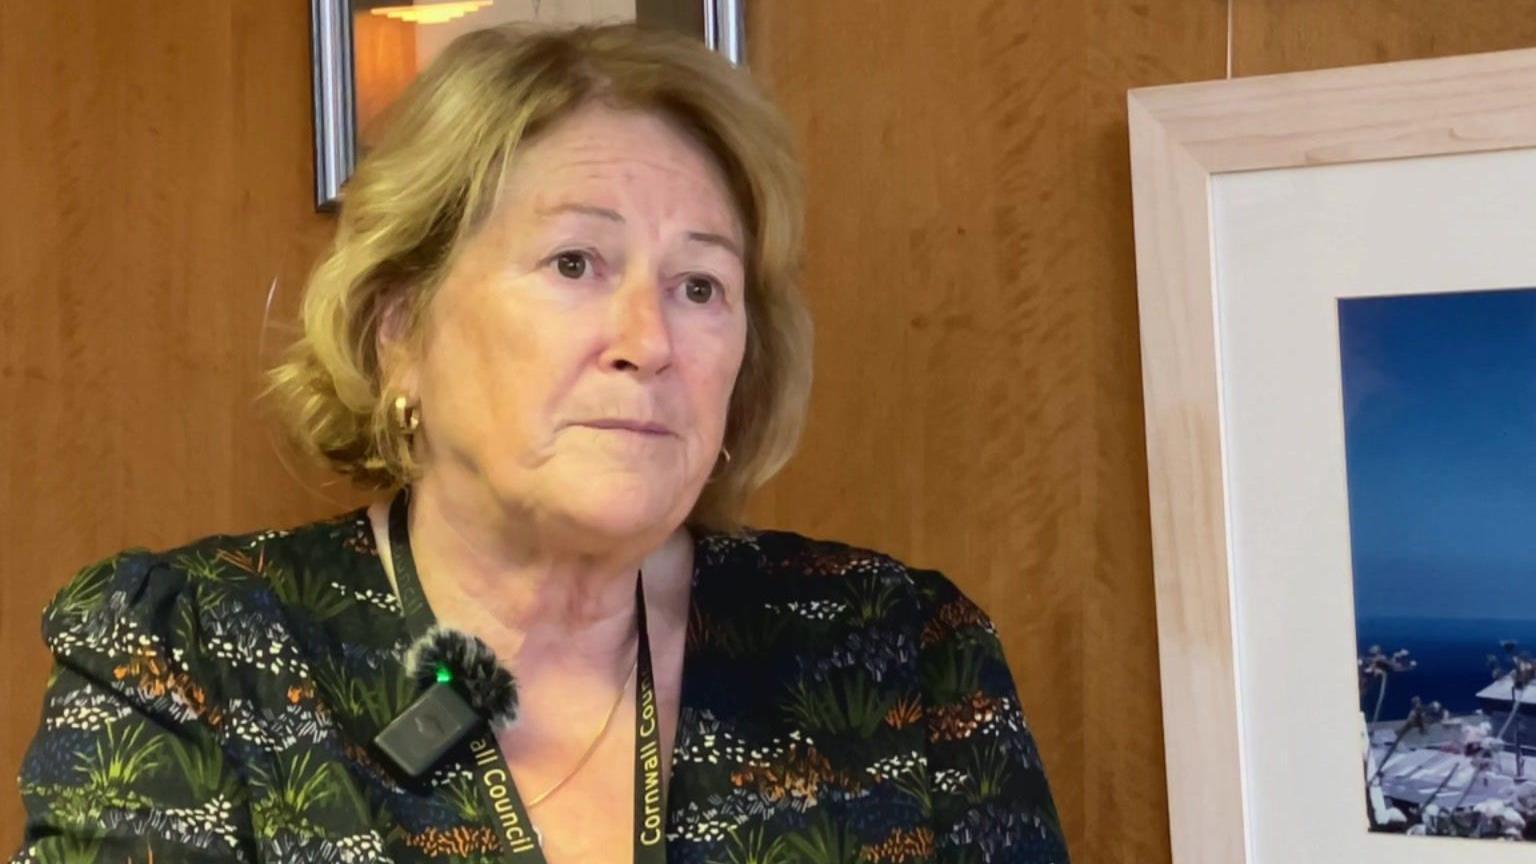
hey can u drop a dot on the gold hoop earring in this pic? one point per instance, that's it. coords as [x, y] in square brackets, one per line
[407, 416]
[714, 473]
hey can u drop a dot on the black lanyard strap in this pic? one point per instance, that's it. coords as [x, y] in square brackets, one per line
[518, 838]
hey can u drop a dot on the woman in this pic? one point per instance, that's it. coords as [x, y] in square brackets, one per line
[559, 331]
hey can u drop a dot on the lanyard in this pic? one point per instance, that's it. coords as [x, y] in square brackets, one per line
[518, 840]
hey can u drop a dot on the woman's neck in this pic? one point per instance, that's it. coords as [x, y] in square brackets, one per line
[536, 601]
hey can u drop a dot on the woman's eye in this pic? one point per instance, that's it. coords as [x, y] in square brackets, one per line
[571, 265]
[699, 290]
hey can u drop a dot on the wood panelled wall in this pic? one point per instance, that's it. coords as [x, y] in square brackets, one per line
[970, 266]
[970, 270]
[155, 177]
[1291, 35]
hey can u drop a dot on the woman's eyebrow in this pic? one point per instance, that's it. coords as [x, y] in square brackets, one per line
[719, 240]
[584, 209]
[706, 237]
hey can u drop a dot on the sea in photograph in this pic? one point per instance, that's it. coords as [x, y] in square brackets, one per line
[1440, 450]
[1451, 657]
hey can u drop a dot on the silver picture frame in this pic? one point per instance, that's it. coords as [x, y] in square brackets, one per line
[721, 24]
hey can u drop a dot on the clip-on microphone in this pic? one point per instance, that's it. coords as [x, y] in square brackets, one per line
[462, 687]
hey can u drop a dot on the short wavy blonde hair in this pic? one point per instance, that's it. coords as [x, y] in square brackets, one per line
[435, 175]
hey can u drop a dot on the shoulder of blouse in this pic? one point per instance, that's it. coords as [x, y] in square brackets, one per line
[841, 590]
[142, 614]
[793, 562]
[872, 615]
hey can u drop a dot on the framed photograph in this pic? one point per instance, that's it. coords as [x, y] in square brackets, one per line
[1337, 281]
[364, 53]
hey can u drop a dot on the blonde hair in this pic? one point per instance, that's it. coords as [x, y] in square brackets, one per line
[434, 176]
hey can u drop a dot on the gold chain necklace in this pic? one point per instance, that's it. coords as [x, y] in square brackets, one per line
[591, 748]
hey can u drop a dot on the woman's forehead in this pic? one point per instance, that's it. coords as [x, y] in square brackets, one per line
[597, 137]
[581, 172]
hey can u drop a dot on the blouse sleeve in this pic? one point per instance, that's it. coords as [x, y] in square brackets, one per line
[125, 765]
[991, 801]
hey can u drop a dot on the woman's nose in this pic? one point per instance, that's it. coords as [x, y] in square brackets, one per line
[640, 339]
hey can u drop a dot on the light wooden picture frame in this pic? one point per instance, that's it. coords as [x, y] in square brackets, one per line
[1205, 157]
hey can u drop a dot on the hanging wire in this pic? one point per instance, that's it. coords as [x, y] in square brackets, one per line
[1230, 4]
[280, 449]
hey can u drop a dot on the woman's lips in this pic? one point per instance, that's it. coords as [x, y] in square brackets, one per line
[635, 426]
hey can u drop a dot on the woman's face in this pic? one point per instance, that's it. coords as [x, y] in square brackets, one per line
[578, 359]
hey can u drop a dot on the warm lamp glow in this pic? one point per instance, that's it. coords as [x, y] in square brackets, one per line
[432, 13]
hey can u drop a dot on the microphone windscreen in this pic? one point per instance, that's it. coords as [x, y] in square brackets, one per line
[446, 656]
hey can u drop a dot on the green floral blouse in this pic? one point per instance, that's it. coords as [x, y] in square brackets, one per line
[215, 703]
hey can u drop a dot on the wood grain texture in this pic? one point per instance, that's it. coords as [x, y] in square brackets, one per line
[977, 404]
[978, 401]
[1293, 35]
[1396, 110]
[156, 177]
[1182, 136]
[1194, 605]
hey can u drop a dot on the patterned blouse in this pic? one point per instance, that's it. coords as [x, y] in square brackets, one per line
[215, 703]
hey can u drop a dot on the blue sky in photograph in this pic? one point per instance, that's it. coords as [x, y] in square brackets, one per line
[1440, 429]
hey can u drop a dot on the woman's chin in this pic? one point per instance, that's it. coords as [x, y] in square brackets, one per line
[622, 507]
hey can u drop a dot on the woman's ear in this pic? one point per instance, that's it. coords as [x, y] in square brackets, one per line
[396, 344]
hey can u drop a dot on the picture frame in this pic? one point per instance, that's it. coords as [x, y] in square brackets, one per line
[720, 23]
[1259, 204]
